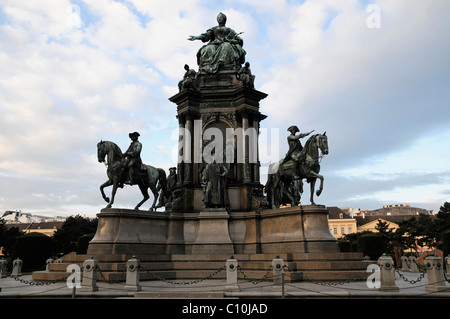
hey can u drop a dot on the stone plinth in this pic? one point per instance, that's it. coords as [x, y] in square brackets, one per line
[300, 229]
[213, 236]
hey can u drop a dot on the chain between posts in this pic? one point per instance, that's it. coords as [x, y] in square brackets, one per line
[255, 282]
[38, 283]
[412, 282]
[211, 275]
[111, 282]
[303, 277]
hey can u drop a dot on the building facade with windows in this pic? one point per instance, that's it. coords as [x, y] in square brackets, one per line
[340, 223]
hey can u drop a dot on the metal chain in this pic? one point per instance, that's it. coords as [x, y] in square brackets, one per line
[255, 282]
[184, 282]
[445, 277]
[421, 276]
[303, 277]
[111, 282]
[38, 283]
[420, 267]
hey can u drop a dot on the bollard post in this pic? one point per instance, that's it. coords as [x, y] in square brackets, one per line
[17, 268]
[278, 271]
[413, 264]
[404, 261]
[89, 281]
[435, 272]
[3, 263]
[48, 262]
[447, 263]
[387, 273]
[232, 275]
[133, 274]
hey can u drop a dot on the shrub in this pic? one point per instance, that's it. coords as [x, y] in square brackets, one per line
[83, 243]
[446, 243]
[33, 249]
[372, 245]
[344, 245]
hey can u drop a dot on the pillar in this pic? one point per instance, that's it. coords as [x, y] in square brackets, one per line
[89, 281]
[404, 261]
[3, 263]
[232, 274]
[387, 274]
[188, 135]
[17, 268]
[278, 271]
[435, 272]
[133, 271]
[246, 178]
[413, 264]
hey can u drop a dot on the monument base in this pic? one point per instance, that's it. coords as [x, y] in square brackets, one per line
[299, 229]
[176, 245]
[213, 236]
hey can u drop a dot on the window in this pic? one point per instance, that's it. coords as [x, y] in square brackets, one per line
[335, 230]
[350, 230]
[342, 230]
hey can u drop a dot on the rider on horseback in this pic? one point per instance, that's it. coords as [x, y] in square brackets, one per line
[133, 157]
[295, 147]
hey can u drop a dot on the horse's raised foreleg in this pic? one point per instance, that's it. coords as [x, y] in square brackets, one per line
[106, 184]
[314, 177]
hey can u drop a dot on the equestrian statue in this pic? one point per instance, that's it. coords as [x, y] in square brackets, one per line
[285, 177]
[127, 168]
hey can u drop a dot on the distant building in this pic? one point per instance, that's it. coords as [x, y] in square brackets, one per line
[340, 223]
[370, 222]
[398, 209]
[46, 228]
[17, 216]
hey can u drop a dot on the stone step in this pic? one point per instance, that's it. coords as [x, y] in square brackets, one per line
[193, 265]
[323, 266]
[75, 258]
[200, 275]
[180, 295]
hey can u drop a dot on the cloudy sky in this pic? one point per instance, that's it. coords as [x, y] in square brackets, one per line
[375, 75]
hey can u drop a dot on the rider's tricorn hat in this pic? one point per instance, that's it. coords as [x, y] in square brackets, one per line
[293, 128]
[134, 134]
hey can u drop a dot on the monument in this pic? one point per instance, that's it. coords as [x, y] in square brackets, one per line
[213, 203]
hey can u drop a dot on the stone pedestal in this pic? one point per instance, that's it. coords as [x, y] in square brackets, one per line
[221, 111]
[213, 236]
[387, 274]
[435, 272]
[300, 229]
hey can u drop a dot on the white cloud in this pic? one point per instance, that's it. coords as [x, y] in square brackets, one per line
[63, 87]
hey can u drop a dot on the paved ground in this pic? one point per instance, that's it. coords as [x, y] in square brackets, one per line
[210, 298]
[411, 285]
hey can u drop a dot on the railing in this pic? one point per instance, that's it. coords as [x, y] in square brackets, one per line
[380, 276]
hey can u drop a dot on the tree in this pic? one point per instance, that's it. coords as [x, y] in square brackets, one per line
[8, 237]
[66, 238]
[418, 231]
[442, 221]
[387, 233]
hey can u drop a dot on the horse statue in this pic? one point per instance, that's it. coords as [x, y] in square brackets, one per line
[284, 183]
[146, 177]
